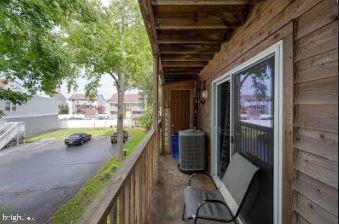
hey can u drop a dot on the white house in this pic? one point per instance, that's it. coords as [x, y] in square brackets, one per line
[39, 114]
[80, 104]
[133, 105]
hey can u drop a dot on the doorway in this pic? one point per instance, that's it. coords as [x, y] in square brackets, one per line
[180, 110]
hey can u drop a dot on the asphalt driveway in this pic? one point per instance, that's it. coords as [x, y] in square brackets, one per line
[36, 178]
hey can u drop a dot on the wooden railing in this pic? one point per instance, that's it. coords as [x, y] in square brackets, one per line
[127, 196]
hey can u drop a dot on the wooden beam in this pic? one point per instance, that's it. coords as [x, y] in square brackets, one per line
[181, 73]
[182, 69]
[156, 69]
[191, 23]
[179, 36]
[180, 78]
[191, 71]
[189, 48]
[146, 10]
[186, 57]
[205, 2]
[167, 64]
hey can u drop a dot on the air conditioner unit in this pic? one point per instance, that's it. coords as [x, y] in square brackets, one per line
[192, 152]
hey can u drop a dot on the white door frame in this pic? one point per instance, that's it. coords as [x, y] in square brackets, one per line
[277, 50]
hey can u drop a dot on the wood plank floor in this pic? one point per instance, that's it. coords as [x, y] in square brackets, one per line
[168, 193]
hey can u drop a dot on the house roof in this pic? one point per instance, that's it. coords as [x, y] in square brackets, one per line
[128, 98]
[80, 96]
[186, 34]
[59, 96]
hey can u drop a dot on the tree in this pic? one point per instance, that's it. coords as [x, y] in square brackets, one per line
[32, 49]
[115, 44]
[63, 108]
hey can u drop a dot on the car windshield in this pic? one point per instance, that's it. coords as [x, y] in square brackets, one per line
[75, 136]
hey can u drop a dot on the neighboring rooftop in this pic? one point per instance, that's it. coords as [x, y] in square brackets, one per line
[59, 96]
[128, 98]
[80, 96]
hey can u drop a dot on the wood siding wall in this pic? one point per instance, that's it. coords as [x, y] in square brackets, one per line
[309, 30]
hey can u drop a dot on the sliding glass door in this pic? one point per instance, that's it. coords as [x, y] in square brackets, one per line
[246, 120]
[253, 130]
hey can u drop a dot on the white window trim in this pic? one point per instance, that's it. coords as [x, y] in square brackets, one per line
[277, 50]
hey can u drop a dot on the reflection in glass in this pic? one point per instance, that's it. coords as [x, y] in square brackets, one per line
[253, 110]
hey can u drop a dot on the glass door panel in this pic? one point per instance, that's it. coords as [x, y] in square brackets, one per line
[253, 128]
[223, 127]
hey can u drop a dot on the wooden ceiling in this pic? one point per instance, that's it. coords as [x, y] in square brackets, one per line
[187, 33]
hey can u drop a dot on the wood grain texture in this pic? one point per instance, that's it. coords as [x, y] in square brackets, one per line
[320, 41]
[322, 194]
[323, 91]
[321, 66]
[313, 212]
[322, 169]
[321, 143]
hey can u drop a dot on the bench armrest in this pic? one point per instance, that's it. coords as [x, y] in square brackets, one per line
[201, 174]
[201, 204]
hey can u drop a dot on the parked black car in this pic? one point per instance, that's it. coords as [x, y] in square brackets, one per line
[77, 139]
[114, 137]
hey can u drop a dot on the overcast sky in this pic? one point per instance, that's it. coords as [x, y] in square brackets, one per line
[106, 88]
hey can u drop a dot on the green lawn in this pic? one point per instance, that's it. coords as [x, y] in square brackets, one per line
[63, 133]
[72, 210]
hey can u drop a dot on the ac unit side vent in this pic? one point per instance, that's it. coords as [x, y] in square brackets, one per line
[192, 154]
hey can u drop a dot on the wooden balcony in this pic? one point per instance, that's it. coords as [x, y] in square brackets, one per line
[168, 194]
[147, 189]
[127, 196]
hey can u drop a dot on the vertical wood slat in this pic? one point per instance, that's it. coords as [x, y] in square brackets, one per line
[121, 207]
[138, 193]
[113, 214]
[132, 208]
[142, 186]
[127, 201]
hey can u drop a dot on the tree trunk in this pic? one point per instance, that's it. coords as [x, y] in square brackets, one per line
[120, 119]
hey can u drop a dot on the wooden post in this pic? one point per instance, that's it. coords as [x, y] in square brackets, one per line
[127, 199]
[121, 207]
[113, 214]
[155, 90]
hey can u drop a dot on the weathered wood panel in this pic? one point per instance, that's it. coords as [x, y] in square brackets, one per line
[323, 91]
[318, 67]
[322, 194]
[315, 97]
[322, 169]
[321, 15]
[319, 117]
[267, 20]
[320, 41]
[321, 143]
[313, 212]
